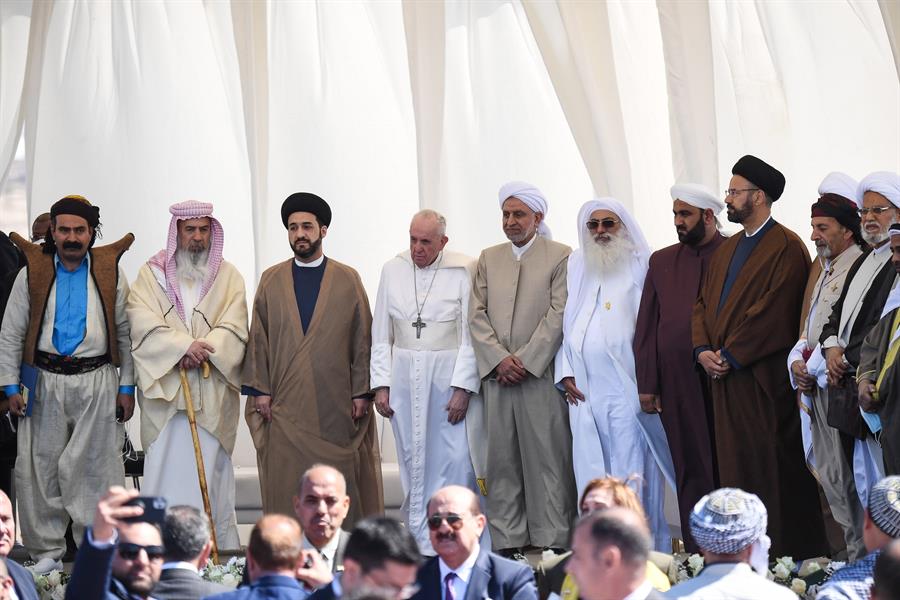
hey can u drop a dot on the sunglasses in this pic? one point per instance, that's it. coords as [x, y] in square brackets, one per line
[453, 520]
[130, 551]
[607, 224]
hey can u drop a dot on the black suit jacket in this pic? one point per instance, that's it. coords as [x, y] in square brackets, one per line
[182, 584]
[492, 577]
[336, 566]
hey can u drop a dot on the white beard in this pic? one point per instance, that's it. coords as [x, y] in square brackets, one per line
[601, 258]
[191, 266]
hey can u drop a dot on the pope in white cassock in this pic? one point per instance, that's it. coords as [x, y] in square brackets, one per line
[423, 367]
[611, 436]
[188, 307]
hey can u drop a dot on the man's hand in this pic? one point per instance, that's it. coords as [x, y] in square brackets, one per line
[573, 394]
[458, 405]
[110, 512]
[17, 405]
[511, 371]
[650, 403]
[805, 382]
[867, 393]
[126, 401]
[187, 363]
[383, 402]
[834, 359]
[360, 408]
[264, 407]
[199, 352]
[713, 363]
[316, 574]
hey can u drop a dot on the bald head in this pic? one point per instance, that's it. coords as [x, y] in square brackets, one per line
[321, 474]
[321, 504]
[275, 544]
[7, 525]
[458, 496]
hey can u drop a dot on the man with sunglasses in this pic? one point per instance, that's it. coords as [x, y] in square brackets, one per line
[120, 558]
[744, 324]
[462, 568]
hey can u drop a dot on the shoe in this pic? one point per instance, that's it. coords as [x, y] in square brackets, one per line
[45, 565]
[549, 552]
[515, 554]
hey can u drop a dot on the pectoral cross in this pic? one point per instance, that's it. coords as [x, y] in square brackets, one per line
[419, 325]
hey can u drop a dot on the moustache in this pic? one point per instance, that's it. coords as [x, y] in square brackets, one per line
[446, 536]
[72, 246]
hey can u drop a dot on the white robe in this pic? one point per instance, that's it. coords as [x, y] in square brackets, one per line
[611, 436]
[432, 453]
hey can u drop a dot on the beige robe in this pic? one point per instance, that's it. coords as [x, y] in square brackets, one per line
[517, 308]
[312, 379]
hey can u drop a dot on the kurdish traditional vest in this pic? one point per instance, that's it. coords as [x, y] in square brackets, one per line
[42, 273]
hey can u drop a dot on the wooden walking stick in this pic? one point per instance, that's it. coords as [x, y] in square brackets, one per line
[198, 455]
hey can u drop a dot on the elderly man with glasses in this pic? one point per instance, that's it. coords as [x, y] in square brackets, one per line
[462, 568]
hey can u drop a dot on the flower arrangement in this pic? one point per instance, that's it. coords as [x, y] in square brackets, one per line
[229, 574]
[51, 586]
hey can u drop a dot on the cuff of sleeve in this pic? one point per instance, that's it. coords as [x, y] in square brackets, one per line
[10, 390]
[126, 389]
[700, 349]
[101, 545]
[252, 391]
[734, 364]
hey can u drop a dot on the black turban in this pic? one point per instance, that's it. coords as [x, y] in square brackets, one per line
[306, 202]
[78, 206]
[761, 174]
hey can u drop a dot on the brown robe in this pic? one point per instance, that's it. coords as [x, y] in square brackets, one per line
[758, 444]
[872, 355]
[312, 379]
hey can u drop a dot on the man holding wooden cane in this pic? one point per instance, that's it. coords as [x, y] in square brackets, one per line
[188, 315]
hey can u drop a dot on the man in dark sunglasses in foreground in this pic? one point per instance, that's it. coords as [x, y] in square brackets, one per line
[133, 549]
[455, 523]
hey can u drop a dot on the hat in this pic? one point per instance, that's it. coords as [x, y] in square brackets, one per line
[882, 182]
[306, 202]
[761, 174]
[728, 520]
[840, 208]
[884, 505]
[841, 184]
[698, 196]
[78, 206]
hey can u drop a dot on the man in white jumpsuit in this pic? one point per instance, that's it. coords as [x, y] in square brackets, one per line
[423, 366]
[188, 307]
[611, 436]
[64, 333]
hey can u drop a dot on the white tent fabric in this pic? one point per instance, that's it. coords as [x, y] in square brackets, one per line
[386, 107]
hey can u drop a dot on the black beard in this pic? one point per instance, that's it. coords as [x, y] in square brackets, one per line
[694, 235]
[740, 215]
[311, 251]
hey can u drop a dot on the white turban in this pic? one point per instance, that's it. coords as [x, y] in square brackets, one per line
[533, 199]
[842, 185]
[697, 195]
[882, 182]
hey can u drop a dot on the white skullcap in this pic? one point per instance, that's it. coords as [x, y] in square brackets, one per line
[697, 195]
[728, 520]
[842, 185]
[533, 199]
[882, 182]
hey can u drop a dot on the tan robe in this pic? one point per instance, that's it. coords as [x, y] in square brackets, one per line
[517, 308]
[312, 379]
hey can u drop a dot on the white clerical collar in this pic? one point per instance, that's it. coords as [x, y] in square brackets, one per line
[434, 264]
[641, 592]
[883, 248]
[328, 550]
[309, 265]
[463, 571]
[179, 565]
[518, 251]
[749, 235]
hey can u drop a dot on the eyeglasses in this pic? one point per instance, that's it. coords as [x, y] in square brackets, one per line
[732, 192]
[130, 551]
[875, 210]
[593, 224]
[454, 520]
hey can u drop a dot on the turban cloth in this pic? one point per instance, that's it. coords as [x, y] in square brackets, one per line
[839, 208]
[78, 206]
[761, 174]
[884, 505]
[842, 185]
[728, 520]
[882, 182]
[533, 199]
[698, 196]
[306, 202]
[164, 260]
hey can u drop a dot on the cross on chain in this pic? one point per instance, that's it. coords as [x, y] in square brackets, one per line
[419, 325]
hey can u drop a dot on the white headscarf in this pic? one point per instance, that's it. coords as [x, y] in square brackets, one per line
[882, 182]
[842, 185]
[697, 195]
[641, 247]
[532, 197]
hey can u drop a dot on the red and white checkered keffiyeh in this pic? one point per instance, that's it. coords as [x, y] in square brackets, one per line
[164, 260]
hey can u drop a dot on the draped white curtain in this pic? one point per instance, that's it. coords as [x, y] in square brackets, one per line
[385, 107]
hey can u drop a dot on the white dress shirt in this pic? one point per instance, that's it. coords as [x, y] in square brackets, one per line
[463, 574]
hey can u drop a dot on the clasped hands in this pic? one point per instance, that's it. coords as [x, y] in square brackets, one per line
[197, 354]
[511, 371]
[714, 363]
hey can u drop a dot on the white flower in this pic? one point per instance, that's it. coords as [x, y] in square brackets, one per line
[695, 562]
[788, 563]
[230, 579]
[798, 586]
[58, 593]
[53, 578]
[809, 568]
[781, 572]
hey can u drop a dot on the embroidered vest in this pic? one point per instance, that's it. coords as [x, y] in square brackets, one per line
[42, 273]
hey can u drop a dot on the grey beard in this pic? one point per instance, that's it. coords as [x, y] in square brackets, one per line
[604, 258]
[873, 239]
[192, 266]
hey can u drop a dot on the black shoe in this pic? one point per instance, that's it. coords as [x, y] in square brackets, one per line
[515, 554]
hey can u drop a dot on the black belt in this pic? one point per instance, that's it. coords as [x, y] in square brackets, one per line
[68, 365]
